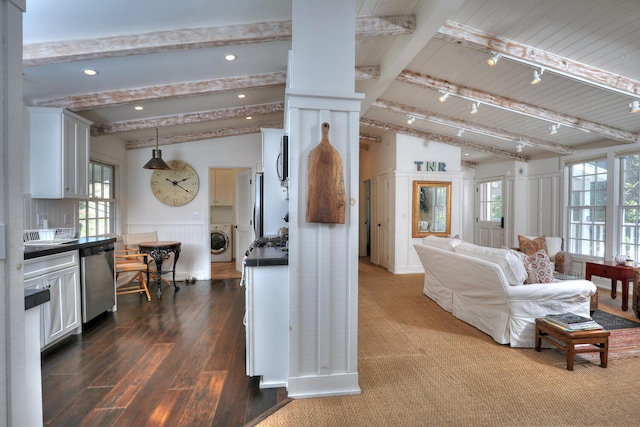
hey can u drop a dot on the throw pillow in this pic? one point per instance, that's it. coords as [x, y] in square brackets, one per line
[541, 267]
[531, 246]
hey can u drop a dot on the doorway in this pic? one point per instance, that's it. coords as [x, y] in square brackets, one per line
[490, 219]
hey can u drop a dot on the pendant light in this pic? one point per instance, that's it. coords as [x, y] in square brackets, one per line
[156, 162]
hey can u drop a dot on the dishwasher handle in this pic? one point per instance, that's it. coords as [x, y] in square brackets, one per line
[96, 250]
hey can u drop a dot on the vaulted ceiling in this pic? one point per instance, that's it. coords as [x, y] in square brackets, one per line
[168, 58]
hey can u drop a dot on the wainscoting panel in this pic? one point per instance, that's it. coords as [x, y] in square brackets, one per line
[194, 256]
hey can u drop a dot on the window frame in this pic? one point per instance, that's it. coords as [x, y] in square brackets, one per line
[586, 208]
[625, 247]
[97, 213]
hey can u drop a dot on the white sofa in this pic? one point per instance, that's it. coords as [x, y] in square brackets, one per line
[478, 291]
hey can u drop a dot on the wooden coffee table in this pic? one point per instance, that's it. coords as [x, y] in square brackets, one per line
[615, 272]
[566, 341]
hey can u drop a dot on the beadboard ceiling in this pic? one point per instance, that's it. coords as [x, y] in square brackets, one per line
[167, 57]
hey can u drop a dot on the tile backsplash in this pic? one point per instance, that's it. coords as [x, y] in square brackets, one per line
[59, 213]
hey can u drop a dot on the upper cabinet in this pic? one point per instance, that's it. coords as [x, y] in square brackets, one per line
[59, 160]
[222, 187]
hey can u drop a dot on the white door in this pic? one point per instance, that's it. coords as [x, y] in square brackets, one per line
[490, 219]
[245, 185]
[380, 222]
[375, 222]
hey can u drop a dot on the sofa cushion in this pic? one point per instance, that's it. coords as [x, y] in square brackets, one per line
[445, 243]
[510, 263]
[540, 268]
[530, 246]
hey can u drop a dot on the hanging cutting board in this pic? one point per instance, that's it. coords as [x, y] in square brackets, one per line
[326, 201]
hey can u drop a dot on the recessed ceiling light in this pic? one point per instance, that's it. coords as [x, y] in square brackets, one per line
[138, 108]
[466, 154]
[230, 57]
[242, 96]
[248, 117]
[90, 72]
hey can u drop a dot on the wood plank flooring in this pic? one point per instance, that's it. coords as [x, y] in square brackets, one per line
[179, 361]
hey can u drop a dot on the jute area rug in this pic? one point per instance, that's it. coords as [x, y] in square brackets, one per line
[420, 366]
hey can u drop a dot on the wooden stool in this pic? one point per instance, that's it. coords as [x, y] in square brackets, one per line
[566, 341]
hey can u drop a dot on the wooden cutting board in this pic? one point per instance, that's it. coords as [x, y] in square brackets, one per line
[326, 200]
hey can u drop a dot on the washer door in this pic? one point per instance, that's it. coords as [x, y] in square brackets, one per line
[219, 242]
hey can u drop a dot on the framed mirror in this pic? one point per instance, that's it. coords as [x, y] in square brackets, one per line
[431, 208]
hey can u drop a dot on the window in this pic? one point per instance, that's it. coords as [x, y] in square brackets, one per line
[97, 215]
[629, 209]
[587, 207]
[490, 200]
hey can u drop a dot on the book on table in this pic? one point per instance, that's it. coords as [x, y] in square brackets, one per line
[573, 322]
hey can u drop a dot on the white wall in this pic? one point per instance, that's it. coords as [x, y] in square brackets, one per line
[393, 161]
[189, 223]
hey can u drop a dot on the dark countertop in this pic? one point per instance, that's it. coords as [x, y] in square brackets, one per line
[267, 256]
[31, 252]
[35, 297]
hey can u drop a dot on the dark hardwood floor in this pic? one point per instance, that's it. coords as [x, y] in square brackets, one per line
[179, 361]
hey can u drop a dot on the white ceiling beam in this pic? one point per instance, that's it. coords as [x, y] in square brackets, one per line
[392, 127]
[508, 104]
[129, 96]
[429, 17]
[476, 39]
[369, 137]
[199, 136]
[193, 38]
[467, 164]
[366, 72]
[187, 118]
[474, 127]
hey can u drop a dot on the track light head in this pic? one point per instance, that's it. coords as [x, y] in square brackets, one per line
[634, 107]
[474, 107]
[410, 120]
[493, 59]
[443, 97]
[460, 132]
[553, 129]
[536, 76]
[519, 148]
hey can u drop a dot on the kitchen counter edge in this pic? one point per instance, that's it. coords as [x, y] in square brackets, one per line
[31, 252]
[267, 256]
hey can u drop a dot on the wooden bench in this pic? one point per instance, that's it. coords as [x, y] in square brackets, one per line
[566, 341]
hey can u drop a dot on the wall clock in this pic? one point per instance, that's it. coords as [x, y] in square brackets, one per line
[176, 186]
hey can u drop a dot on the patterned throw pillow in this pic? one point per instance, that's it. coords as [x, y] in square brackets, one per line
[540, 266]
[531, 246]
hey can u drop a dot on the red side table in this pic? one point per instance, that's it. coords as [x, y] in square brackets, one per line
[615, 272]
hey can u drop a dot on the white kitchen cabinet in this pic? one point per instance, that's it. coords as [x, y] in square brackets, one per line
[221, 187]
[60, 273]
[267, 324]
[59, 153]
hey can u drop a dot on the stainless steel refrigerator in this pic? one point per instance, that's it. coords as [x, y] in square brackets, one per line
[258, 207]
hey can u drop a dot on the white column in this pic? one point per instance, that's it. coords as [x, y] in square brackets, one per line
[323, 258]
[14, 404]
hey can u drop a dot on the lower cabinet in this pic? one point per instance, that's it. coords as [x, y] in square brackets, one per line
[267, 324]
[61, 315]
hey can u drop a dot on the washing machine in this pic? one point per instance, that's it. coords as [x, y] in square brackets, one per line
[221, 242]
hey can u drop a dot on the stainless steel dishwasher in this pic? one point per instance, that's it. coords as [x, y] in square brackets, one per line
[97, 280]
